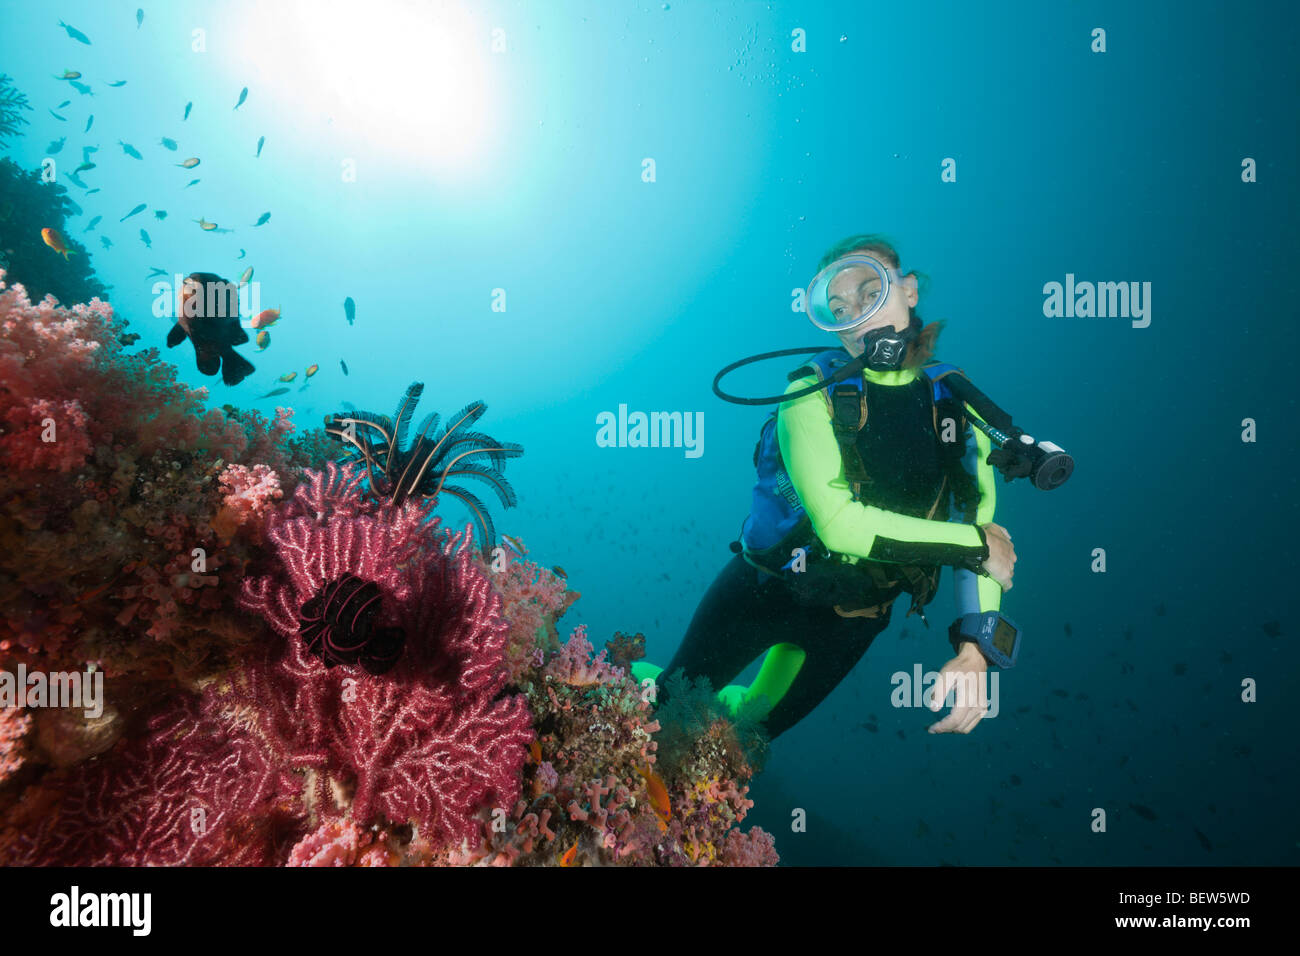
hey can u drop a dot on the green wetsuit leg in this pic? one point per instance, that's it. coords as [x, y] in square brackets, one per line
[741, 616]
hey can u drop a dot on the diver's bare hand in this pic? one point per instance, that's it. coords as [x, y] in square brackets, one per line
[1001, 562]
[966, 673]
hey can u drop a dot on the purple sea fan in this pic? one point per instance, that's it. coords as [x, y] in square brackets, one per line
[428, 742]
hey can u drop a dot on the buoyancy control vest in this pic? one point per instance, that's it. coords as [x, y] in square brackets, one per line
[777, 524]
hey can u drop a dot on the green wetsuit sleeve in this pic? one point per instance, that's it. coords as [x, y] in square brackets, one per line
[812, 459]
[989, 592]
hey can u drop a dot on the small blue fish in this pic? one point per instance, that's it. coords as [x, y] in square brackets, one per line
[139, 17]
[81, 88]
[76, 179]
[344, 366]
[160, 214]
[187, 111]
[61, 119]
[89, 122]
[86, 151]
[91, 192]
[513, 545]
[263, 219]
[260, 141]
[241, 254]
[349, 309]
[273, 392]
[155, 271]
[144, 237]
[130, 150]
[138, 209]
[63, 104]
[168, 143]
[107, 242]
[93, 223]
[56, 145]
[189, 184]
[75, 33]
[76, 210]
[118, 83]
[243, 95]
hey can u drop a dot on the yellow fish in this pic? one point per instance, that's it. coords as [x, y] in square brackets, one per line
[658, 794]
[54, 240]
[189, 163]
[248, 274]
[205, 225]
[70, 75]
[288, 376]
[312, 370]
[263, 340]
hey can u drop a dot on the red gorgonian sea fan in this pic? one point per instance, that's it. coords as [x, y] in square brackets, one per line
[431, 741]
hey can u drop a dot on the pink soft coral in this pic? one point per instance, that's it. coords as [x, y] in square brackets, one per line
[249, 494]
[110, 486]
[14, 725]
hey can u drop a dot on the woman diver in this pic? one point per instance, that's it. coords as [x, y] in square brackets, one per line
[852, 508]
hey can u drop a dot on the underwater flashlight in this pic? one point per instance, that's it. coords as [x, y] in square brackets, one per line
[1047, 465]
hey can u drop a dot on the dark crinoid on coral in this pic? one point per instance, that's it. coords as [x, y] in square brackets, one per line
[398, 471]
[338, 625]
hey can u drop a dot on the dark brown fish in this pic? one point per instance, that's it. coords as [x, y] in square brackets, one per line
[1205, 841]
[1146, 813]
[208, 314]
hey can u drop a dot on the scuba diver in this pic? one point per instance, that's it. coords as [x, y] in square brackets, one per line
[875, 471]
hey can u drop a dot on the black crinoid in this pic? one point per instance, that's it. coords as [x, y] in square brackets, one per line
[398, 471]
[338, 626]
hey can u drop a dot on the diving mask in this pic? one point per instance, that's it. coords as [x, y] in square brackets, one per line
[848, 292]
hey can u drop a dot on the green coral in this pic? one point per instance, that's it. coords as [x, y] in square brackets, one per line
[12, 103]
[699, 739]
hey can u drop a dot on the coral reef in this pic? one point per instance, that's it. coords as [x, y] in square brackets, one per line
[28, 205]
[123, 530]
[533, 599]
[297, 671]
[596, 791]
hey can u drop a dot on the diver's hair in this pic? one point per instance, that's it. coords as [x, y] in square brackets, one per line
[922, 349]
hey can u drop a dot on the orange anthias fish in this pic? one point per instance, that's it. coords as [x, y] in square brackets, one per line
[535, 751]
[266, 318]
[288, 376]
[263, 340]
[311, 370]
[570, 856]
[658, 793]
[55, 241]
